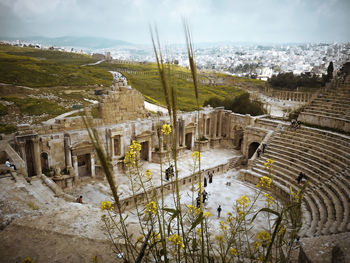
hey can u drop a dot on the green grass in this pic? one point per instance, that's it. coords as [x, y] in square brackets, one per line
[3, 110]
[44, 68]
[149, 84]
[31, 106]
[7, 128]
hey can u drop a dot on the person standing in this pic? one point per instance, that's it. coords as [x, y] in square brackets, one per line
[205, 181]
[219, 211]
[264, 147]
[210, 178]
[300, 177]
[258, 152]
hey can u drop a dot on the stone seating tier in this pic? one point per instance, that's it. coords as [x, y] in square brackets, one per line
[325, 158]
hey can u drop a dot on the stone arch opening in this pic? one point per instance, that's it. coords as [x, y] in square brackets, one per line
[44, 158]
[84, 165]
[252, 148]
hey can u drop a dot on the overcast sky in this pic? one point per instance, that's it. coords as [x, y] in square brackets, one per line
[210, 20]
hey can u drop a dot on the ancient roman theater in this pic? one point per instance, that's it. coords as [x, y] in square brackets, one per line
[56, 162]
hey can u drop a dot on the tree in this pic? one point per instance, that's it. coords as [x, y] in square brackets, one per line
[330, 70]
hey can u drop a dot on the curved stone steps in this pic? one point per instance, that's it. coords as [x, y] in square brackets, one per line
[341, 202]
[327, 201]
[326, 112]
[315, 170]
[317, 150]
[332, 163]
[323, 146]
[333, 139]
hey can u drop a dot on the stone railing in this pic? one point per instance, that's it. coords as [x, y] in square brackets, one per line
[168, 187]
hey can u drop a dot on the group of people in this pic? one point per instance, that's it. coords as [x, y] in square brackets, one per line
[169, 172]
[204, 198]
[210, 175]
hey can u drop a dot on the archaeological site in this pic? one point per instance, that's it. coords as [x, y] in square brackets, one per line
[56, 162]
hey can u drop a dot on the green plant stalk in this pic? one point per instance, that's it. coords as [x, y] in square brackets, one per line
[195, 84]
[162, 222]
[106, 167]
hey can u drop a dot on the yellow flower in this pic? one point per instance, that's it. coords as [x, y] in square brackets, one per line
[222, 225]
[268, 164]
[197, 211]
[148, 174]
[230, 218]
[190, 208]
[220, 238]
[207, 214]
[28, 260]
[176, 240]
[135, 146]
[196, 155]
[166, 129]
[151, 207]
[132, 155]
[106, 205]
[263, 238]
[264, 182]
[243, 201]
[233, 251]
[154, 237]
[269, 200]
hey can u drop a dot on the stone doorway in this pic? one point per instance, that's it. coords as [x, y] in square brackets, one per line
[144, 151]
[44, 158]
[188, 141]
[84, 165]
[252, 148]
[240, 144]
[117, 145]
[29, 151]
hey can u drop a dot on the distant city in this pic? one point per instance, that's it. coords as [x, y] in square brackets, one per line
[251, 60]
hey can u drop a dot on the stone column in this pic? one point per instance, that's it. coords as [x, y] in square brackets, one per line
[92, 161]
[161, 143]
[149, 150]
[75, 164]
[183, 134]
[214, 124]
[177, 134]
[37, 162]
[22, 150]
[220, 123]
[67, 152]
[204, 133]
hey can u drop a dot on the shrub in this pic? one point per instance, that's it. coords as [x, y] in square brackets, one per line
[239, 104]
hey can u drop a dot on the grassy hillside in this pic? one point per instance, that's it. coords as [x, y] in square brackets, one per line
[45, 68]
[145, 78]
[54, 69]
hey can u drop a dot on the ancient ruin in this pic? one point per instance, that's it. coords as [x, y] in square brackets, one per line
[60, 156]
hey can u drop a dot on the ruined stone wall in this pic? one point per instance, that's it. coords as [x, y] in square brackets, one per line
[122, 104]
